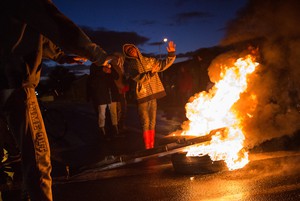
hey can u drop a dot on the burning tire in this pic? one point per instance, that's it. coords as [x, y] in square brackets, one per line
[195, 164]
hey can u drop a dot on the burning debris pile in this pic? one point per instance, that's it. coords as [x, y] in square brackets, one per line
[215, 109]
[255, 96]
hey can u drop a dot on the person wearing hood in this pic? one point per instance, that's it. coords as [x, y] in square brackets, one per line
[28, 23]
[144, 71]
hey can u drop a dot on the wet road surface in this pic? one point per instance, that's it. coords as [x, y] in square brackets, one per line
[269, 176]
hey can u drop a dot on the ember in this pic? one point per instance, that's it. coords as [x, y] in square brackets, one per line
[211, 110]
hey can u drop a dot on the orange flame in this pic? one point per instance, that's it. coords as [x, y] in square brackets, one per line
[213, 110]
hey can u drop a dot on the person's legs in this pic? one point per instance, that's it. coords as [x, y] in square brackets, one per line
[119, 111]
[101, 119]
[143, 110]
[11, 146]
[152, 114]
[113, 113]
[114, 118]
[26, 123]
[101, 115]
[123, 103]
[8, 142]
[152, 117]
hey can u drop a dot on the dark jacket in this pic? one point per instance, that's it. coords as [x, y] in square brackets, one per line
[148, 84]
[101, 86]
[24, 24]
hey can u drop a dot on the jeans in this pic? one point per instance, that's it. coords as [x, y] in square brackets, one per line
[147, 114]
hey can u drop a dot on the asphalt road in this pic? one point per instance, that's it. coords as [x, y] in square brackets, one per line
[272, 174]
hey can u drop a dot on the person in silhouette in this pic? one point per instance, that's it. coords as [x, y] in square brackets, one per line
[26, 25]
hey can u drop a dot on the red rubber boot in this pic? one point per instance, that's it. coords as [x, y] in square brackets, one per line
[146, 135]
[152, 138]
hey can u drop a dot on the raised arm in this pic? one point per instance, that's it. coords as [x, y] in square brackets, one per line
[43, 16]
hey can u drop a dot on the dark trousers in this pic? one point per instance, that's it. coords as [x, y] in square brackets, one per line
[122, 110]
[7, 141]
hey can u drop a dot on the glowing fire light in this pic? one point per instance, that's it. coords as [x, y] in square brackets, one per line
[213, 110]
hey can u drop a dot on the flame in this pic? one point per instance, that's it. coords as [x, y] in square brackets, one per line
[211, 110]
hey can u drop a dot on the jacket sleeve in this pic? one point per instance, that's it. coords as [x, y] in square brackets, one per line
[52, 51]
[140, 77]
[131, 72]
[166, 63]
[43, 16]
[146, 76]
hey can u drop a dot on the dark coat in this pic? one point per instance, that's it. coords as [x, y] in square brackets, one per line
[101, 86]
[24, 24]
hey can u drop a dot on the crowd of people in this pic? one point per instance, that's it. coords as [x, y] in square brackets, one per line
[107, 87]
[36, 29]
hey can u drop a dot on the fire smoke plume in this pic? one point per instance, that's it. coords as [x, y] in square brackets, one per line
[268, 108]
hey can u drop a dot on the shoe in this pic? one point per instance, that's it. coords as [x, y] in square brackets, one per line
[12, 159]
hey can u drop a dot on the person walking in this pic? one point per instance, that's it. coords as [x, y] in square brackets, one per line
[144, 71]
[27, 23]
[104, 94]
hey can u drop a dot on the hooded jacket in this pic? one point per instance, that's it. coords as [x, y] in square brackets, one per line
[148, 84]
[24, 24]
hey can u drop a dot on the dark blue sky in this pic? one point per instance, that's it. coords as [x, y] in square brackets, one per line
[191, 24]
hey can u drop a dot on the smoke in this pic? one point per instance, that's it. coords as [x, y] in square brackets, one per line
[286, 163]
[273, 93]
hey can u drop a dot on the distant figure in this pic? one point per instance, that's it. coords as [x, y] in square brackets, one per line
[169, 82]
[104, 94]
[144, 71]
[185, 85]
